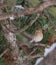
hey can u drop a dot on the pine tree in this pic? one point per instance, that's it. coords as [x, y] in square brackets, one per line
[19, 19]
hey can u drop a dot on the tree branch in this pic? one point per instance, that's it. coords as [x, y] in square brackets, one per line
[4, 52]
[29, 25]
[3, 5]
[29, 11]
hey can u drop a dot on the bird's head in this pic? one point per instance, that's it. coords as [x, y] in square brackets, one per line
[39, 31]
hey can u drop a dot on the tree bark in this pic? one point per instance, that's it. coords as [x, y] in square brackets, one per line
[14, 50]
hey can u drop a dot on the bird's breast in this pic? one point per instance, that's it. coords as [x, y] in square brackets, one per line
[38, 38]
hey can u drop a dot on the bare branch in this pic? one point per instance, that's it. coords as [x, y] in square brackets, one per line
[41, 7]
[29, 11]
[29, 25]
[33, 57]
[3, 5]
[4, 52]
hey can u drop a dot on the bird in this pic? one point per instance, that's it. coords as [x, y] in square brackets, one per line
[38, 36]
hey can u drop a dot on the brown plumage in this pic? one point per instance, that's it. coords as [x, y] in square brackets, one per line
[38, 36]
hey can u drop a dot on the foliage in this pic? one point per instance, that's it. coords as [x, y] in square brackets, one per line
[2, 42]
[42, 22]
[2, 61]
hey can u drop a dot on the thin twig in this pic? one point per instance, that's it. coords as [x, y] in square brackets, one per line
[29, 25]
[33, 57]
[32, 52]
[49, 18]
[3, 52]
[3, 5]
[43, 45]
